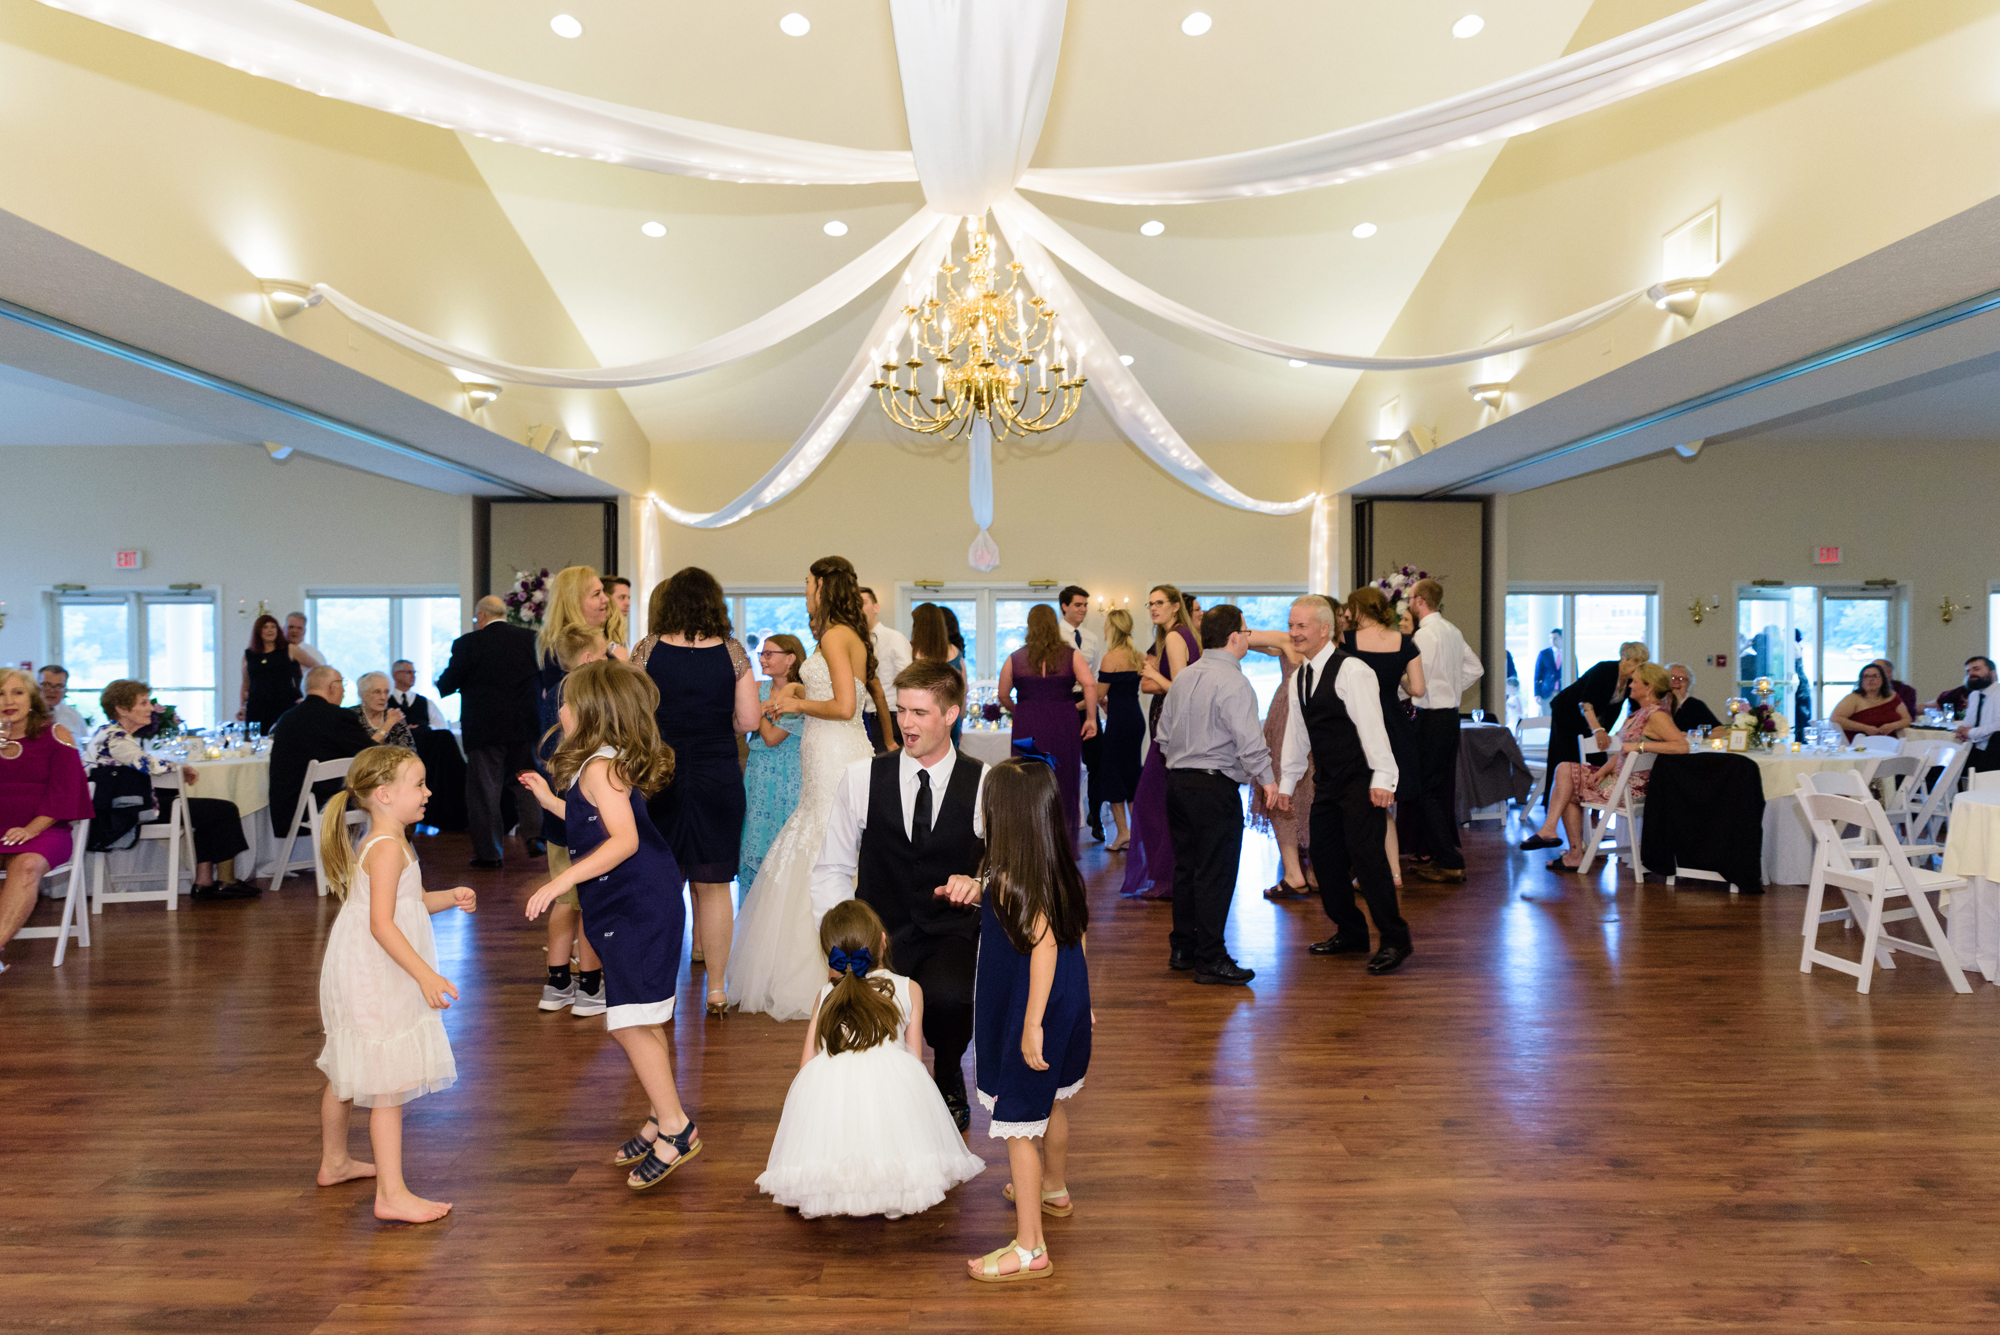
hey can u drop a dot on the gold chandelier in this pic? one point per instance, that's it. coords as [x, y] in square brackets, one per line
[985, 347]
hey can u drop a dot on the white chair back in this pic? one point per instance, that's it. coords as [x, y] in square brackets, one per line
[75, 921]
[1881, 746]
[1888, 874]
[1926, 822]
[1984, 781]
[175, 832]
[1533, 732]
[1622, 813]
[308, 811]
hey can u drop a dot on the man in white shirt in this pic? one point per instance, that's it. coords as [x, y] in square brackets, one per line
[419, 710]
[892, 655]
[1339, 726]
[1074, 604]
[903, 825]
[295, 633]
[1982, 715]
[55, 686]
[1449, 671]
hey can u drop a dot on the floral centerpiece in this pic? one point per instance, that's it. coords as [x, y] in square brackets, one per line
[1396, 586]
[1760, 720]
[528, 601]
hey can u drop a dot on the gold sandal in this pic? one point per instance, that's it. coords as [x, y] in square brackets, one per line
[1056, 1211]
[989, 1264]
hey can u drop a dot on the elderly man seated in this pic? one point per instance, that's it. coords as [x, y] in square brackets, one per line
[1689, 713]
[314, 729]
[55, 688]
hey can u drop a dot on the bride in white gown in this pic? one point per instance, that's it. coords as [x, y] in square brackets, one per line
[776, 967]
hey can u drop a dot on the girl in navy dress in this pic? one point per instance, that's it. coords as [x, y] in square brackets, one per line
[1031, 1004]
[610, 759]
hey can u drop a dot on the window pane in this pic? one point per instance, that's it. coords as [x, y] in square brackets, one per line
[180, 659]
[1856, 634]
[1763, 641]
[352, 634]
[783, 615]
[1531, 620]
[429, 625]
[1010, 625]
[96, 647]
[1261, 611]
[1606, 620]
[967, 612]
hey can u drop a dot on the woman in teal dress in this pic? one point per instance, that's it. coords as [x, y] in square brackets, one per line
[771, 779]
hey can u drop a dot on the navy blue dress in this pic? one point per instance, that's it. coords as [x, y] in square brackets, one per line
[1122, 750]
[633, 914]
[702, 811]
[1021, 1099]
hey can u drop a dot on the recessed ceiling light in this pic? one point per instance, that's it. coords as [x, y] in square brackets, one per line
[566, 25]
[1153, 228]
[1469, 26]
[795, 25]
[835, 228]
[1295, 363]
[1125, 357]
[1364, 230]
[1197, 23]
[653, 228]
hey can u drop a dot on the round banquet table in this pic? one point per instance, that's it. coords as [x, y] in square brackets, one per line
[244, 780]
[1972, 850]
[1788, 839]
[988, 745]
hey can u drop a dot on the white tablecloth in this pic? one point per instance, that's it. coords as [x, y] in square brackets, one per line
[1788, 839]
[245, 781]
[990, 746]
[1972, 850]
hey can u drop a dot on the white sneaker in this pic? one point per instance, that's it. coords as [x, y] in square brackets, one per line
[555, 998]
[588, 1003]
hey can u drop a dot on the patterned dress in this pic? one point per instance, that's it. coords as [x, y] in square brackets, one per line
[771, 785]
[1599, 790]
[1291, 825]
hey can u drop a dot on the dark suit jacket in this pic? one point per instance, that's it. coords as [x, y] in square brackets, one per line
[1548, 675]
[310, 730]
[1566, 726]
[494, 670]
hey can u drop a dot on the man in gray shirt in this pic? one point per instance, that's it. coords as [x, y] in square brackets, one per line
[1212, 740]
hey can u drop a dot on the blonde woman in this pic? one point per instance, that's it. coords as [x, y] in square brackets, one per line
[1650, 728]
[1149, 870]
[1122, 752]
[1582, 709]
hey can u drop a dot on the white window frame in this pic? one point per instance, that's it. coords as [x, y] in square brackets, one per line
[1568, 591]
[137, 637]
[909, 594]
[395, 593]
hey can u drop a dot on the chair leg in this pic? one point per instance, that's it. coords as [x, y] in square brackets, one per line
[1940, 942]
[97, 861]
[319, 861]
[68, 921]
[1815, 896]
[79, 889]
[174, 865]
[1869, 941]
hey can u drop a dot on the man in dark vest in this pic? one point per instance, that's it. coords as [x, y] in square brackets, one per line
[902, 825]
[1336, 717]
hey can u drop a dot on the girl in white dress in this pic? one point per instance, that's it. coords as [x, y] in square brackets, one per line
[379, 988]
[864, 1130]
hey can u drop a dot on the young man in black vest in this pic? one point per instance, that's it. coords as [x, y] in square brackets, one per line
[902, 825]
[1337, 718]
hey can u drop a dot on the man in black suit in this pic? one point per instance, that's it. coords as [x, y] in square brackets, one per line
[493, 670]
[314, 729]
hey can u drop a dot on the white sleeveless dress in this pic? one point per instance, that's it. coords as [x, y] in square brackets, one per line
[384, 1043]
[866, 1132]
[775, 965]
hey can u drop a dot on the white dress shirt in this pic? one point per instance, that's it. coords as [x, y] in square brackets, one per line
[1361, 693]
[892, 655]
[1982, 715]
[840, 852]
[68, 718]
[1087, 641]
[1450, 667]
[402, 700]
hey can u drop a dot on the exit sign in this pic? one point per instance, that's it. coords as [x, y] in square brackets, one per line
[1826, 556]
[131, 561]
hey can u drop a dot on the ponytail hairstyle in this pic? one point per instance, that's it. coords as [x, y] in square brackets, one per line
[860, 1012]
[377, 767]
[840, 605]
[1118, 621]
[1028, 868]
[613, 704]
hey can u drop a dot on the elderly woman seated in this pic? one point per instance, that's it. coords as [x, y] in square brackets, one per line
[1649, 728]
[1873, 708]
[217, 825]
[387, 726]
[42, 790]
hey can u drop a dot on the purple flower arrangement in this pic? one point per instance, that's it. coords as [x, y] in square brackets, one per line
[1396, 585]
[528, 601]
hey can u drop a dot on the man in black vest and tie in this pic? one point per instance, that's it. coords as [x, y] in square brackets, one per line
[418, 710]
[902, 825]
[1337, 718]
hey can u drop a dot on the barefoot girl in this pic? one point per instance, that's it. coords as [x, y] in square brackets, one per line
[1031, 1018]
[610, 760]
[379, 988]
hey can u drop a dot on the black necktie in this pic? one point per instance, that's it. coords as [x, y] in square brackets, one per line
[920, 819]
[1079, 639]
[1979, 708]
[1305, 685]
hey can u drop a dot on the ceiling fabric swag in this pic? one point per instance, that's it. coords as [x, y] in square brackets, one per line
[817, 302]
[1698, 38]
[1019, 213]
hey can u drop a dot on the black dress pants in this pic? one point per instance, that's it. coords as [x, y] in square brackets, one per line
[944, 967]
[1347, 835]
[216, 824]
[494, 801]
[1437, 772]
[1205, 816]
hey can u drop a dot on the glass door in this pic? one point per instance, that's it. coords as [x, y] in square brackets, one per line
[1858, 630]
[1812, 642]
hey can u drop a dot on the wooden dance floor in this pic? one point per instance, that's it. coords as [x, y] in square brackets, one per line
[1581, 1104]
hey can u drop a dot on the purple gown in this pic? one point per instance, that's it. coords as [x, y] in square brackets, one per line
[1149, 862]
[1044, 711]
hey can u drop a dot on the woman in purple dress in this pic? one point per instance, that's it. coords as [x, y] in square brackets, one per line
[1149, 863]
[1042, 671]
[42, 789]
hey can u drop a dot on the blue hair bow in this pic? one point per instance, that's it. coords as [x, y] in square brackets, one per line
[858, 963]
[1025, 749]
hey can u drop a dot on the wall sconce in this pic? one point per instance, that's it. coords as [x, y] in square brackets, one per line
[1699, 609]
[1949, 609]
[1381, 447]
[1491, 394]
[1682, 296]
[279, 453]
[287, 298]
[1418, 438]
[480, 393]
[588, 448]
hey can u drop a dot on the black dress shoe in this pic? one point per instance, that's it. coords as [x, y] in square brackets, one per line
[1388, 959]
[537, 847]
[960, 1110]
[1180, 963]
[486, 862]
[1339, 945]
[1226, 974]
[233, 890]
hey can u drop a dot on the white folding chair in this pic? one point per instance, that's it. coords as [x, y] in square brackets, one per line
[1532, 734]
[1926, 823]
[178, 836]
[1983, 781]
[1849, 783]
[76, 894]
[309, 811]
[1881, 746]
[1618, 810]
[1898, 787]
[1867, 890]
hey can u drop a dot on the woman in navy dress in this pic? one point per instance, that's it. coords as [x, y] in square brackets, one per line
[1042, 671]
[629, 885]
[1398, 665]
[708, 698]
[1149, 865]
[1122, 752]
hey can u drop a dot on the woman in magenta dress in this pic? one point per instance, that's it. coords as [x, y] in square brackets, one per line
[42, 789]
[1042, 671]
[1149, 863]
[1873, 708]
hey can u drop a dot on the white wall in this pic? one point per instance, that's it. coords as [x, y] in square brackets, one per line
[223, 516]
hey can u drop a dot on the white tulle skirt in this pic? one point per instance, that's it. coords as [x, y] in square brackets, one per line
[775, 965]
[866, 1133]
[384, 1044]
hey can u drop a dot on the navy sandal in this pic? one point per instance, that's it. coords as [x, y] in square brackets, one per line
[653, 1170]
[636, 1148]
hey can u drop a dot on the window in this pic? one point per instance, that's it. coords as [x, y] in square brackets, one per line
[1264, 608]
[1594, 622]
[1812, 641]
[367, 630]
[1010, 625]
[165, 639]
[993, 622]
[757, 613]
